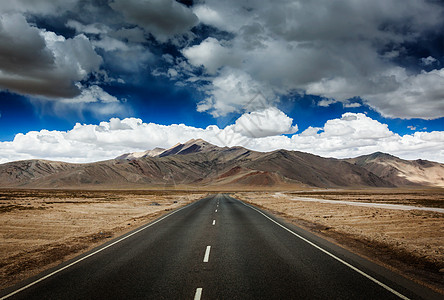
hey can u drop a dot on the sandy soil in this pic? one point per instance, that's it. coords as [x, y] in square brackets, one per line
[408, 241]
[40, 229]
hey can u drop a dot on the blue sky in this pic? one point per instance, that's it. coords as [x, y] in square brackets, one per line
[300, 75]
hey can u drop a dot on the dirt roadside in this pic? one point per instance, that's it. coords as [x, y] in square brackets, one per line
[409, 242]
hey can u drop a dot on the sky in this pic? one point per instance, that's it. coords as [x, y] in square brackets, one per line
[84, 81]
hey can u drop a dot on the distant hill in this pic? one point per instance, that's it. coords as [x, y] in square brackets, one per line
[402, 172]
[201, 164]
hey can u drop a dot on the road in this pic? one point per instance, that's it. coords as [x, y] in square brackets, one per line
[218, 248]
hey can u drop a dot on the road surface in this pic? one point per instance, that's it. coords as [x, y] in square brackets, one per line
[218, 248]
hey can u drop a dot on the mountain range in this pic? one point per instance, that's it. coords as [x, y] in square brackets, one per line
[200, 164]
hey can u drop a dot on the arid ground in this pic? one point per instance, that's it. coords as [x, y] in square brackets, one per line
[408, 241]
[41, 228]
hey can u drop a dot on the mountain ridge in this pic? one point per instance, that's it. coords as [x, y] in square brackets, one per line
[201, 164]
[402, 172]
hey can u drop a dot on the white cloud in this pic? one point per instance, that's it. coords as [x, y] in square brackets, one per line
[344, 50]
[211, 54]
[93, 100]
[348, 136]
[311, 131]
[326, 102]
[209, 16]
[123, 49]
[92, 94]
[352, 105]
[233, 90]
[267, 122]
[357, 134]
[418, 96]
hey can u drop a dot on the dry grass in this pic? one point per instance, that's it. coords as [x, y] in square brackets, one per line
[41, 228]
[411, 242]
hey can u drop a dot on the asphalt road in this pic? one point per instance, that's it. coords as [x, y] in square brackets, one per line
[218, 248]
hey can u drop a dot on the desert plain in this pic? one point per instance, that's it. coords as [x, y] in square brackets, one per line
[42, 228]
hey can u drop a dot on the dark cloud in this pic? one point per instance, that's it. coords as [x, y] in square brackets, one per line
[41, 7]
[22, 48]
[382, 51]
[41, 63]
[132, 35]
[162, 18]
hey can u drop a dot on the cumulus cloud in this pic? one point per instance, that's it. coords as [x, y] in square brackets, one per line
[123, 49]
[418, 96]
[351, 135]
[267, 122]
[209, 16]
[41, 63]
[164, 19]
[233, 90]
[211, 54]
[344, 50]
[337, 50]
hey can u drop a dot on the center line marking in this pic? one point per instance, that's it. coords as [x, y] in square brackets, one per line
[198, 294]
[215, 210]
[214, 222]
[207, 254]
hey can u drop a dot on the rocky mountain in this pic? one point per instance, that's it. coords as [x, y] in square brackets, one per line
[200, 164]
[192, 146]
[402, 172]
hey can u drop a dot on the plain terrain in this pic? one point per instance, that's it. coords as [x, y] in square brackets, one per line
[41, 228]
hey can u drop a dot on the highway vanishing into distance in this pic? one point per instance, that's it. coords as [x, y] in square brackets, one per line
[218, 248]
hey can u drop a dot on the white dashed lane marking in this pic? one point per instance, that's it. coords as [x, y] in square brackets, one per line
[198, 294]
[207, 254]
